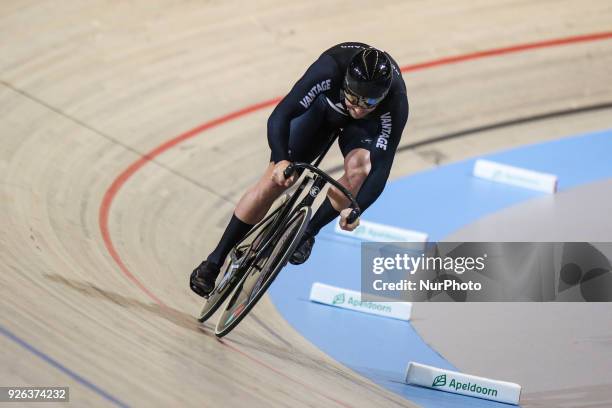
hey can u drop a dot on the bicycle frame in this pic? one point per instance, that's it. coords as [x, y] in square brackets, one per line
[272, 228]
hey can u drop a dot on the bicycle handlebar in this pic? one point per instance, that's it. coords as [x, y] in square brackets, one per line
[355, 211]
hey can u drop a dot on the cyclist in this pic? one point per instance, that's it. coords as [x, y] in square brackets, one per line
[353, 87]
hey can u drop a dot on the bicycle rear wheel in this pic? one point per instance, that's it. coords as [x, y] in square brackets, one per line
[262, 272]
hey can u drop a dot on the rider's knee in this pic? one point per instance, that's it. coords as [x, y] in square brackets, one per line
[267, 189]
[357, 166]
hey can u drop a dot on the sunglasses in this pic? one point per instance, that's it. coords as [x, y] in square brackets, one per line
[362, 102]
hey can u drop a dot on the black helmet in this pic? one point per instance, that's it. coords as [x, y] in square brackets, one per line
[369, 75]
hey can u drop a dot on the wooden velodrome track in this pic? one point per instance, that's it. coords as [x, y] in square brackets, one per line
[95, 258]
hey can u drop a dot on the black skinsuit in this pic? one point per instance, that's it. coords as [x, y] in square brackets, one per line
[301, 124]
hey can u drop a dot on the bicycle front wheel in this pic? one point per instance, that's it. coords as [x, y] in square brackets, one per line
[233, 270]
[261, 273]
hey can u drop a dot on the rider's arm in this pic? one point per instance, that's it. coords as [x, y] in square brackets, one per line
[319, 78]
[382, 154]
[381, 161]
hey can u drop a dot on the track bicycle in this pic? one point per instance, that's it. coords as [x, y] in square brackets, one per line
[258, 258]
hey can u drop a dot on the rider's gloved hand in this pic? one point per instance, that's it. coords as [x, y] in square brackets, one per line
[279, 178]
[343, 220]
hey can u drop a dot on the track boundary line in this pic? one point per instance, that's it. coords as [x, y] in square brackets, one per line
[70, 373]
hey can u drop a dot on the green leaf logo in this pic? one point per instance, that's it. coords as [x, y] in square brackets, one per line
[439, 381]
[338, 299]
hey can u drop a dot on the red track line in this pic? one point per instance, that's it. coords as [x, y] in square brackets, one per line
[205, 126]
[122, 178]
[103, 221]
[508, 50]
